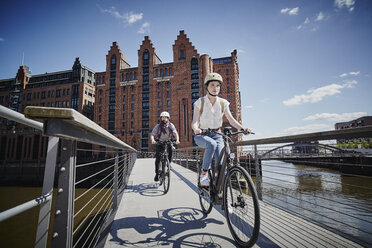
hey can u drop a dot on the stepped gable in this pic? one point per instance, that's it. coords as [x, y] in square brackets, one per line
[147, 44]
[183, 42]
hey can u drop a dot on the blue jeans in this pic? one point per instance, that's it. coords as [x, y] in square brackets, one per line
[213, 144]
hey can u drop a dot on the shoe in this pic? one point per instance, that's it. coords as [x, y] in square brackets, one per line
[204, 180]
[156, 178]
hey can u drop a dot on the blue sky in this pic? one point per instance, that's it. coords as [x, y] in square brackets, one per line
[304, 65]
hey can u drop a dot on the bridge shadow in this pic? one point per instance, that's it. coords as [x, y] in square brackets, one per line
[169, 223]
[146, 189]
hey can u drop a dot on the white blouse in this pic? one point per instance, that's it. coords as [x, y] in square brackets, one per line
[212, 116]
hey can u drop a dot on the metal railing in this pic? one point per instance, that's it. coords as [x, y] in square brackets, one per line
[90, 169]
[331, 191]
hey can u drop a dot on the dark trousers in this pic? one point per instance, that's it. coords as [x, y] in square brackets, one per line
[160, 148]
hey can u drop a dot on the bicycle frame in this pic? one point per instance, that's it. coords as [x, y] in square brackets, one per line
[164, 152]
[225, 161]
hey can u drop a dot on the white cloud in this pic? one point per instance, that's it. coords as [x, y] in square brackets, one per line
[317, 95]
[307, 20]
[248, 107]
[335, 117]
[349, 4]
[1, 39]
[306, 129]
[128, 18]
[319, 17]
[145, 28]
[132, 18]
[299, 27]
[352, 73]
[289, 11]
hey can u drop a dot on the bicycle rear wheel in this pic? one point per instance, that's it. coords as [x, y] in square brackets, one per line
[205, 195]
[241, 206]
[166, 176]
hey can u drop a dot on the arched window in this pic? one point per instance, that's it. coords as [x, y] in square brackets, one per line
[145, 57]
[113, 62]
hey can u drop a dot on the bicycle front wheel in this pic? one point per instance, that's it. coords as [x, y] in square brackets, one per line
[241, 206]
[166, 176]
[204, 195]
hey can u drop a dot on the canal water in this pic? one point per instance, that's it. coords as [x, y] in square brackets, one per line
[326, 196]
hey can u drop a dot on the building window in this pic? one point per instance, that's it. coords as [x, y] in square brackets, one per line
[170, 72]
[168, 93]
[182, 54]
[113, 63]
[158, 104]
[168, 103]
[194, 64]
[227, 71]
[156, 73]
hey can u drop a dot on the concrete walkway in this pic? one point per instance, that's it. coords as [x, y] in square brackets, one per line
[148, 218]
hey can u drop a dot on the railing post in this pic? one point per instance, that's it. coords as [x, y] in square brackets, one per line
[258, 173]
[64, 215]
[115, 185]
[45, 208]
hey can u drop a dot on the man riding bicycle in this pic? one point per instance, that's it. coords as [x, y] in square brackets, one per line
[208, 114]
[163, 131]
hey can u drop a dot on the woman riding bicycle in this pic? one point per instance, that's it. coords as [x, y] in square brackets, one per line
[163, 131]
[208, 114]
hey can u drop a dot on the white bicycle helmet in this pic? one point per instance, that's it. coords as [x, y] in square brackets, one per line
[165, 113]
[213, 76]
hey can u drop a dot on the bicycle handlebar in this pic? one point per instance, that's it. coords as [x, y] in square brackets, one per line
[229, 134]
[171, 142]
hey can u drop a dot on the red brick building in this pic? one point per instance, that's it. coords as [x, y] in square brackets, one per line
[125, 100]
[69, 89]
[129, 99]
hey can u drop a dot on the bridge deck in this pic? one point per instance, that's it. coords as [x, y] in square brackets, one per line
[148, 218]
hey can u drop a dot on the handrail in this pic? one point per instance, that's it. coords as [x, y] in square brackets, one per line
[358, 132]
[81, 128]
[72, 127]
[24, 207]
[18, 117]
